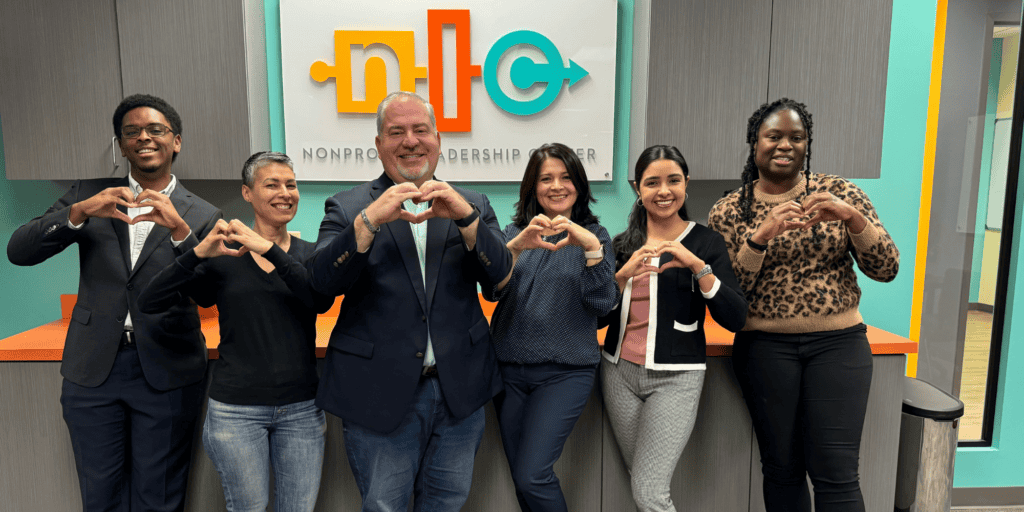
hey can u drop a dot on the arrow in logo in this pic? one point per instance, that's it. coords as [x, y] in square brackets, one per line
[524, 72]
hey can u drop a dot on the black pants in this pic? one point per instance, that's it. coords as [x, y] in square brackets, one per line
[132, 443]
[807, 395]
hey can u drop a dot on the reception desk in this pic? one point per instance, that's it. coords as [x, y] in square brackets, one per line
[719, 470]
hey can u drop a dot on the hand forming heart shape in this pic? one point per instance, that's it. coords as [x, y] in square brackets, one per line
[445, 202]
[533, 235]
[214, 244]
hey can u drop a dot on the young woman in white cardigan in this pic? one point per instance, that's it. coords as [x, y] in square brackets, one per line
[670, 270]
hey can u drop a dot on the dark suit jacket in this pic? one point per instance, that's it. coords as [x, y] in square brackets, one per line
[377, 347]
[171, 345]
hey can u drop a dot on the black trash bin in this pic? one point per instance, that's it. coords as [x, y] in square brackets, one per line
[928, 435]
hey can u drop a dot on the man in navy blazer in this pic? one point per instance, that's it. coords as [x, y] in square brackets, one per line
[410, 364]
[133, 383]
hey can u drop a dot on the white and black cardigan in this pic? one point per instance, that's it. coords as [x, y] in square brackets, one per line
[675, 334]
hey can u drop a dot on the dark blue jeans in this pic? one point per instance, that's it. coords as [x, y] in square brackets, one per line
[430, 455]
[807, 395]
[536, 414]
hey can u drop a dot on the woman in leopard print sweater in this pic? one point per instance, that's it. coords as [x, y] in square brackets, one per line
[803, 359]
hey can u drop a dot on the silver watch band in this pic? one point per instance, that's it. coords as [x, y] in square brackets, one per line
[703, 272]
[594, 255]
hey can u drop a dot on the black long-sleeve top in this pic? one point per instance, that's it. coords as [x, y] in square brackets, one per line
[267, 321]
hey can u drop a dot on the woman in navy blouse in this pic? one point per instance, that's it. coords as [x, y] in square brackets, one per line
[670, 269]
[544, 328]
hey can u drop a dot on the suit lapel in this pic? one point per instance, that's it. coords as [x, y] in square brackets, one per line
[401, 234]
[437, 234]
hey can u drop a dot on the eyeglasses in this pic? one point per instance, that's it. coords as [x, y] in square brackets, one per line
[154, 130]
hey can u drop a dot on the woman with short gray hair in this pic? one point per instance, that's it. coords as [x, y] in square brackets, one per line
[261, 411]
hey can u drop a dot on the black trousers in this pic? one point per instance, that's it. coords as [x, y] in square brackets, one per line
[807, 395]
[132, 443]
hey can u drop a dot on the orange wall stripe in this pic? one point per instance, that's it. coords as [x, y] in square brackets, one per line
[927, 181]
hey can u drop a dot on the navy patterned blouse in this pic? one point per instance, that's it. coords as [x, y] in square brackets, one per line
[548, 310]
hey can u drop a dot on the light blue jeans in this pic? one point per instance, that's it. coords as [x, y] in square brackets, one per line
[244, 441]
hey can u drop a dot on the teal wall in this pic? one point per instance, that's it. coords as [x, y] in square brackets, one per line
[897, 193]
[29, 296]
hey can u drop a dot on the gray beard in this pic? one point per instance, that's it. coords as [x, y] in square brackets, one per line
[413, 174]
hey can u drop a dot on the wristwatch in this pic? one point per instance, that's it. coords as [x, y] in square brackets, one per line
[703, 272]
[594, 255]
[468, 219]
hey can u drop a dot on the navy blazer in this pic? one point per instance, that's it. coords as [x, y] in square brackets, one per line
[171, 347]
[377, 347]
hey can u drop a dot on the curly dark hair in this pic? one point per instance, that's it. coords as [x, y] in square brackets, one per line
[753, 127]
[635, 235]
[145, 100]
[527, 207]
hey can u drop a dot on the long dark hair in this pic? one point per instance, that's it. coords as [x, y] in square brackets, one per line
[527, 208]
[635, 235]
[753, 127]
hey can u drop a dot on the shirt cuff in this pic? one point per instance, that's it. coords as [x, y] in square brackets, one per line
[177, 243]
[714, 290]
[72, 226]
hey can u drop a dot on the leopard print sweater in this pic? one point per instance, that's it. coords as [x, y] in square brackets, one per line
[805, 281]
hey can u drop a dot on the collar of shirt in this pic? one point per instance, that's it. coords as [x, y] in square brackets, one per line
[137, 189]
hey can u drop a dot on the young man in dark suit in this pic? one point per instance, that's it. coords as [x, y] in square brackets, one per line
[133, 383]
[410, 363]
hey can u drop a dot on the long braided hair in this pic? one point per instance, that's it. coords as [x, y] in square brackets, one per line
[750, 168]
[635, 235]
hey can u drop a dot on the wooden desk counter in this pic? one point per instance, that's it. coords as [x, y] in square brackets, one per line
[719, 470]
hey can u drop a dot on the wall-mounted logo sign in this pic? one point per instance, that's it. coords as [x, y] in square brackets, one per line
[543, 79]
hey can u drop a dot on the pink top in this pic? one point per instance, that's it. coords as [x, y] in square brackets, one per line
[634, 341]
